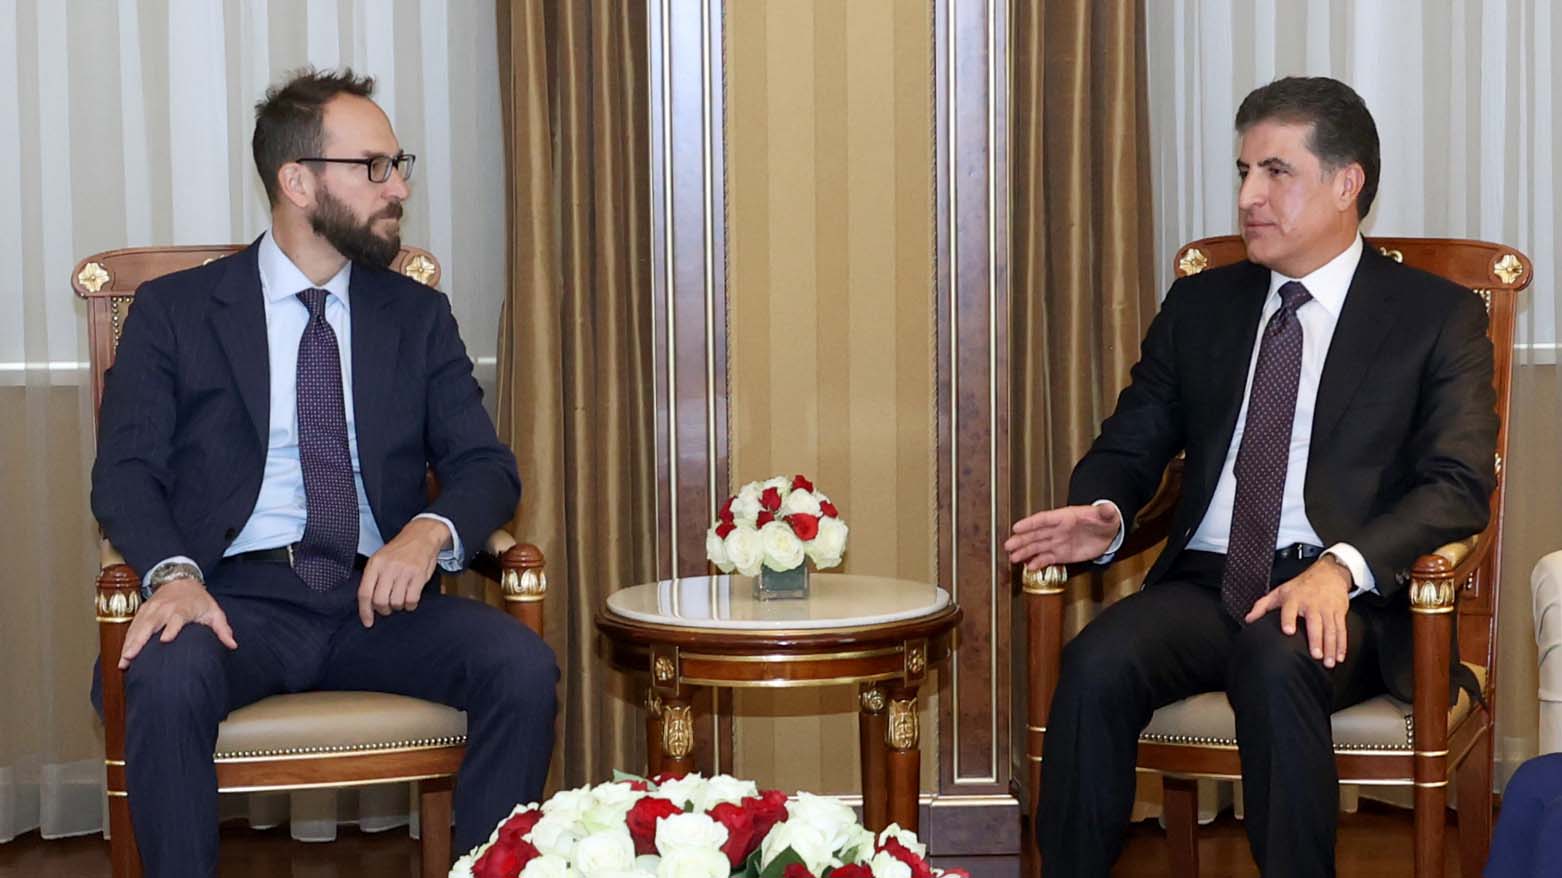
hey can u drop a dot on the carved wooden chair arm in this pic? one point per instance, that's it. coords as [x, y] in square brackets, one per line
[1435, 577]
[519, 569]
[1151, 526]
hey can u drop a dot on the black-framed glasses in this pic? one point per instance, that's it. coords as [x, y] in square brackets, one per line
[378, 167]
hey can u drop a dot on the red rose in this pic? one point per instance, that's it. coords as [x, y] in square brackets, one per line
[804, 525]
[771, 499]
[518, 826]
[640, 786]
[801, 483]
[726, 527]
[919, 866]
[854, 870]
[798, 870]
[642, 819]
[767, 809]
[499, 861]
[765, 517]
[828, 509]
[726, 510]
[740, 832]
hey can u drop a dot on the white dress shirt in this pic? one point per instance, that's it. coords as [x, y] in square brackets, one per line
[1328, 286]
[281, 510]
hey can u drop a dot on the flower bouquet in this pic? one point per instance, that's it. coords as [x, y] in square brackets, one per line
[692, 827]
[770, 529]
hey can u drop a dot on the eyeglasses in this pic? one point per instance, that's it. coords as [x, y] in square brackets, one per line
[378, 167]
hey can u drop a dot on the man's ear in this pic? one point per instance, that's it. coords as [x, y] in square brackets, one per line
[296, 184]
[1347, 185]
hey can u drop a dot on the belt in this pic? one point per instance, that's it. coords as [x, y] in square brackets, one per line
[1298, 552]
[284, 555]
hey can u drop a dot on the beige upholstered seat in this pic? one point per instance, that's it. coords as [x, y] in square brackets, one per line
[1381, 723]
[337, 723]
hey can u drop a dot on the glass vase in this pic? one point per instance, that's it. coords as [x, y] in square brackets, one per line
[772, 585]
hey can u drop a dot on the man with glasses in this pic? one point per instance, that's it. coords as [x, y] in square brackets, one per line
[265, 435]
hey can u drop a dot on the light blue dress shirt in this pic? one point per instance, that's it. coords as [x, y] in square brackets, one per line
[280, 510]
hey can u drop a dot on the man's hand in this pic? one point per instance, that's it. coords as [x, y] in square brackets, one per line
[1321, 596]
[1063, 536]
[394, 577]
[175, 604]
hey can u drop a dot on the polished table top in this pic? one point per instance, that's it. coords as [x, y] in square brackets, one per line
[727, 603]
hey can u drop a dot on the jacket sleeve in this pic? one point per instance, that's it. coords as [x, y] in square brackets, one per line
[1454, 444]
[479, 487]
[131, 477]
[1126, 461]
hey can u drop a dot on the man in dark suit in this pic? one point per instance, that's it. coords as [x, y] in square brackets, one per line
[1337, 415]
[265, 434]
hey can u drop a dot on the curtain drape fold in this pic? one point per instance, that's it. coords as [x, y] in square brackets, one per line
[574, 368]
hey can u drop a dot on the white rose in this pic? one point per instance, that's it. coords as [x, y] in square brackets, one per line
[884, 865]
[604, 852]
[859, 845]
[647, 863]
[716, 551]
[694, 863]
[555, 834]
[725, 788]
[804, 839]
[683, 791]
[783, 550]
[568, 803]
[826, 548]
[906, 837]
[610, 804]
[800, 501]
[833, 820]
[780, 483]
[684, 832]
[548, 866]
[746, 507]
[745, 551]
[463, 866]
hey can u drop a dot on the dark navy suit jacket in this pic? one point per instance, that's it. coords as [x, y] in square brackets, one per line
[183, 423]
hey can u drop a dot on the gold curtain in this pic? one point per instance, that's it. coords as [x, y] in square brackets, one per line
[574, 397]
[1083, 273]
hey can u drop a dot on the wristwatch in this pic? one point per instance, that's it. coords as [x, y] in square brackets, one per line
[168, 571]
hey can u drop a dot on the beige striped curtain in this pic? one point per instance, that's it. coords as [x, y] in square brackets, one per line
[128, 123]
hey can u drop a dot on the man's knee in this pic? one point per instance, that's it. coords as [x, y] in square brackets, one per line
[183, 677]
[1098, 666]
[1266, 663]
[517, 667]
[1538, 779]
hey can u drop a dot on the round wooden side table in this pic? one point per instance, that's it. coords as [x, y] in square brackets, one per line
[879, 633]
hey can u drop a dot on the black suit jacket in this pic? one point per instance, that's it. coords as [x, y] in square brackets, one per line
[186, 406]
[1404, 429]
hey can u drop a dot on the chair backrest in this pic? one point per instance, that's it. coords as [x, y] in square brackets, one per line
[108, 282]
[1497, 274]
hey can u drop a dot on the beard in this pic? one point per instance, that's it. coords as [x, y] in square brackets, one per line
[334, 221]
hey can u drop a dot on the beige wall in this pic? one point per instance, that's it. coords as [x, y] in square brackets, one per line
[831, 334]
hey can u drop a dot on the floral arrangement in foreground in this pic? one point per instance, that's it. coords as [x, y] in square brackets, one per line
[777, 523]
[693, 827]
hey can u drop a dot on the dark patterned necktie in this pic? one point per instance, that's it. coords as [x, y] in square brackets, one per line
[324, 557]
[1263, 456]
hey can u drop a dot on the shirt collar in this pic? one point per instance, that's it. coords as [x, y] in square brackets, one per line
[1329, 283]
[281, 279]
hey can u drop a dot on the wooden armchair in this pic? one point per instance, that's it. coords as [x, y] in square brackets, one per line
[1382, 741]
[304, 740]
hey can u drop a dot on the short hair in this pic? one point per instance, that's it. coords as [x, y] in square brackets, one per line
[1342, 128]
[290, 119]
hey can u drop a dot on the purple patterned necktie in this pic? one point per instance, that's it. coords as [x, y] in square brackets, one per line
[1263, 457]
[325, 555]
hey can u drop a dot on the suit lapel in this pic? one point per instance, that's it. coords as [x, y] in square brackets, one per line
[376, 341]
[1364, 321]
[1230, 357]
[239, 321]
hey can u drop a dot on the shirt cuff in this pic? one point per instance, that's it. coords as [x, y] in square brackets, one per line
[1122, 532]
[1360, 575]
[449, 559]
[146, 581]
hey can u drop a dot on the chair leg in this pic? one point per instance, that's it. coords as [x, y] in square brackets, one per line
[1030, 851]
[1180, 807]
[1475, 810]
[435, 797]
[124, 856]
[1431, 804]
